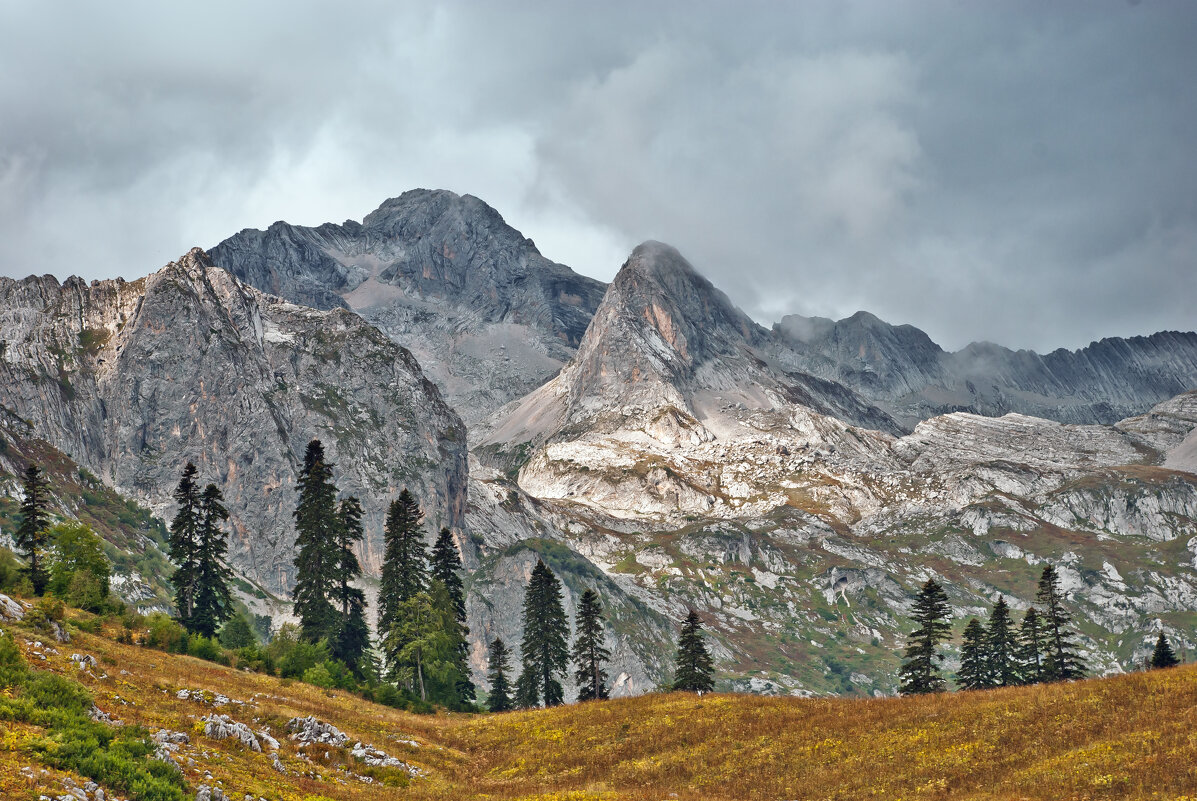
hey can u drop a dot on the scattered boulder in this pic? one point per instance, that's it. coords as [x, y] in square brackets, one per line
[222, 727]
[11, 610]
[312, 730]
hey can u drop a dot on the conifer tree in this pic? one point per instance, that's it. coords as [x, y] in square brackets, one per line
[693, 666]
[590, 656]
[317, 556]
[184, 543]
[404, 571]
[1061, 660]
[544, 652]
[499, 699]
[1002, 648]
[974, 658]
[213, 601]
[420, 645]
[31, 536]
[445, 567]
[1032, 648]
[404, 577]
[1163, 656]
[352, 637]
[920, 673]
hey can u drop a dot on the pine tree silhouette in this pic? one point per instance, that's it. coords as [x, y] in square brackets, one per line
[920, 673]
[213, 600]
[1002, 647]
[351, 639]
[974, 671]
[31, 537]
[184, 543]
[693, 665]
[1061, 661]
[1163, 656]
[500, 699]
[317, 556]
[445, 567]
[590, 656]
[544, 652]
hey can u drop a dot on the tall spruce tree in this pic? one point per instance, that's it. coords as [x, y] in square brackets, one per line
[184, 543]
[213, 600]
[693, 667]
[1163, 656]
[1061, 662]
[920, 672]
[544, 652]
[974, 673]
[590, 656]
[404, 577]
[31, 537]
[445, 567]
[1004, 668]
[351, 640]
[317, 555]
[498, 665]
[1032, 648]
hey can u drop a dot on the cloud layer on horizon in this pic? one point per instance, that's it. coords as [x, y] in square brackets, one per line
[1011, 172]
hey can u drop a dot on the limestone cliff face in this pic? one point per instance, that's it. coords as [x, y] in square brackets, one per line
[442, 274]
[900, 369]
[133, 380]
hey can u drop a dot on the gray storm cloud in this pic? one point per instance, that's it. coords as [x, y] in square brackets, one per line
[1012, 172]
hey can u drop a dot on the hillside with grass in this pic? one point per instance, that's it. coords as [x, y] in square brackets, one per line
[147, 724]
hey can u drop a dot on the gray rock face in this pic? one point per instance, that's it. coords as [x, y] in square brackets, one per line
[487, 316]
[133, 380]
[900, 369]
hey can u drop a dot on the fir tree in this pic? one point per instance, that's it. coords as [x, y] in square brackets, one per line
[184, 543]
[974, 658]
[213, 600]
[1162, 656]
[1002, 647]
[1032, 647]
[317, 556]
[544, 652]
[590, 656]
[920, 673]
[693, 666]
[31, 537]
[404, 572]
[499, 699]
[1061, 661]
[351, 639]
[404, 576]
[445, 567]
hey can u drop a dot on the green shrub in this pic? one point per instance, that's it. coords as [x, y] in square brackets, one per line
[201, 647]
[319, 676]
[166, 633]
[10, 572]
[237, 633]
[12, 664]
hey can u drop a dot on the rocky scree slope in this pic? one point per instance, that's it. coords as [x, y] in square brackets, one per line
[134, 379]
[681, 468]
[487, 316]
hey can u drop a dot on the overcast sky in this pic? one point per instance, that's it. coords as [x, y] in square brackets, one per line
[1024, 173]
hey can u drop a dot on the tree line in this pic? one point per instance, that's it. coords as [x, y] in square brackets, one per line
[1042, 648]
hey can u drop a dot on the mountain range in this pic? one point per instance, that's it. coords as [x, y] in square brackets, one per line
[645, 438]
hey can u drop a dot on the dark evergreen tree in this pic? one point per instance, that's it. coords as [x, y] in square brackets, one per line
[352, 637]
[445, 567]
[404, 571]
[1061, 661]
[1004, 668]
[404, 576]
[590, 656]
[213, 599]
[693, 667]
[237, 633]
[1032, 648]
[544, 652]
[317, 555]
[920, 672]
[974, 671]
[184, 543]
[500, 699]
[1162, 656]
[31, 537]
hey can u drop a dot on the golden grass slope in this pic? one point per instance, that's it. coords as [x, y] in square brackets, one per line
[1129, 737]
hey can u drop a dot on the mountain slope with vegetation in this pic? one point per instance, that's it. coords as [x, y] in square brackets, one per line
[1126, 737]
